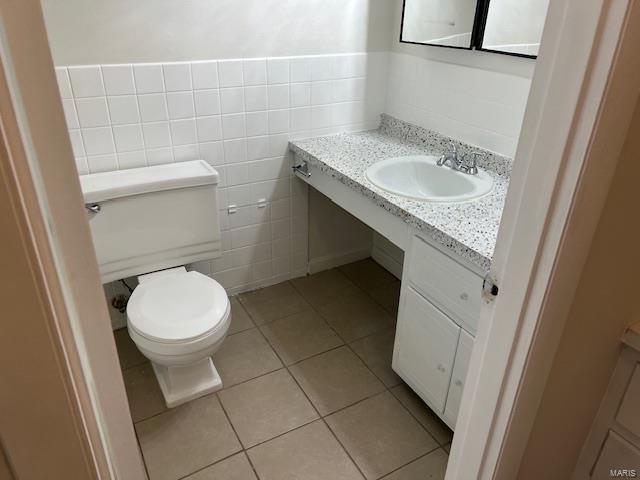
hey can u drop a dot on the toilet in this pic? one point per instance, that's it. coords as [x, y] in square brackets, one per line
[150, 222]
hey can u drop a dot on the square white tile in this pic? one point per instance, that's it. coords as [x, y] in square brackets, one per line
[257, 147]
[300, 69]
[86, 81]
[123, 109]
[183, 132]
[232, 100]
[207, 102]
[153, 108]
[118, 79]
[235, 151]
[230, 73]
[233, 126]
[277, 70]
[255, 98]
[212, 153]
[209, 128]
[257, 123]
[300, 94]
[180, 105]
[278, 121]
[204, 74]
[128, 138]
[98, 141]
[186, 153]
[148, 78]
[278, 96]
[255, 71]
[92, 112]
[156, 135]
[177, 76]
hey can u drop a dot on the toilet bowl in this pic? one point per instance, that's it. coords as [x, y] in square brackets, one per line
[178, 319]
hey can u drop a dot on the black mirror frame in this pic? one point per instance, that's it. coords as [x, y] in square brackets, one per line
[477, 33]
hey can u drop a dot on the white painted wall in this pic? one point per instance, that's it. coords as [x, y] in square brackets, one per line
[476, 97]
[126, 31]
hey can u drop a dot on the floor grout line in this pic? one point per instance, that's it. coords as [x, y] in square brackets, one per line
[320, 417]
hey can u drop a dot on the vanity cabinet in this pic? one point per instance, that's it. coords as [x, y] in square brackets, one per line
[437, 318]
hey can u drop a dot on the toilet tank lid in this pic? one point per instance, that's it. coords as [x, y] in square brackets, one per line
[98, 187]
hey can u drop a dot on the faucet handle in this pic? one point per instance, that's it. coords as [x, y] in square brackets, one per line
[471, 162]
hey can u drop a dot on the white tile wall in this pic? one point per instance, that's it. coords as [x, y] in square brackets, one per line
[478, 106]
[238, 115]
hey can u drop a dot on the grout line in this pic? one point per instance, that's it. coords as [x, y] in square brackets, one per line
[321, 417]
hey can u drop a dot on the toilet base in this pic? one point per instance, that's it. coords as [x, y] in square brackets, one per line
[179, 384]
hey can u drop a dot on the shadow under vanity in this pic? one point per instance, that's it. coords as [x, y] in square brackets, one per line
[447, 248]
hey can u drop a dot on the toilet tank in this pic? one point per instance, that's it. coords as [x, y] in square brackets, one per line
[151, 218]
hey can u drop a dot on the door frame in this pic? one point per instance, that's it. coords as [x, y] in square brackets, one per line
[39, 175]
[583, 94]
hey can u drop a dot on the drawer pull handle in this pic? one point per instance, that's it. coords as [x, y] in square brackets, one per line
[464, 296]
[441, 368]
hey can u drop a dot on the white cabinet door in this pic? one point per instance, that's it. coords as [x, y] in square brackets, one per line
[425, 348]
[460, 367]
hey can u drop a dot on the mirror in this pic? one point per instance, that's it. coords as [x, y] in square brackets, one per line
[438, 22]
[514, 26]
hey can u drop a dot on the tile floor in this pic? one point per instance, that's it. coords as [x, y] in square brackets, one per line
[308, 392]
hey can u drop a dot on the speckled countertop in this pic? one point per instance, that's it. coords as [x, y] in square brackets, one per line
[467, 228]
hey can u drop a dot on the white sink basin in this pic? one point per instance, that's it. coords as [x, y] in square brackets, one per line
[418, 177]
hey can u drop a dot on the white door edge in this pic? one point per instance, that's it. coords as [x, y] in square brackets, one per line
[566, 146]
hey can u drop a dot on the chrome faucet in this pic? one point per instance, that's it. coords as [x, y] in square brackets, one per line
[463, 163]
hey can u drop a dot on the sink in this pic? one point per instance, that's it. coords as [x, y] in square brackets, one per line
[419, 178]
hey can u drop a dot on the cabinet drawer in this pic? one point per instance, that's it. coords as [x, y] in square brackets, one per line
[460, 368]
[629, 413]
[425, 348]
[616, 454]
[452, 287]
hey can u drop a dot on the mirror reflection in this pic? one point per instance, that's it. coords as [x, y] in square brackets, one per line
[515, 26]
[439, 22]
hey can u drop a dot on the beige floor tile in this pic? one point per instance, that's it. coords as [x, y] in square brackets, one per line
[436, 427]
[266, 407]
[271, 303]
[432, 466]
[387, 296]
[240, 320]
[335, 379]
[356, 316]
[325, 287]
[244, 356]
[185, 439]
[367, 274]
[380, 435]
[232, 468]
[300, 336]
[128, 352]
[308, 453]
[376, 351]
[143, 392]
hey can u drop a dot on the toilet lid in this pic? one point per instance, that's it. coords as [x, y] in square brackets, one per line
[178, 307]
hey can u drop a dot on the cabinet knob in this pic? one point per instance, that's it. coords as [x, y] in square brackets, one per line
[441, 368]
[464, 296]
[458, 383]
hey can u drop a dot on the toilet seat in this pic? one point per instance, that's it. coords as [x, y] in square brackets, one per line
[180, 308]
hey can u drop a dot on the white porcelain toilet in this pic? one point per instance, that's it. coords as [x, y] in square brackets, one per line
[157, 219]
